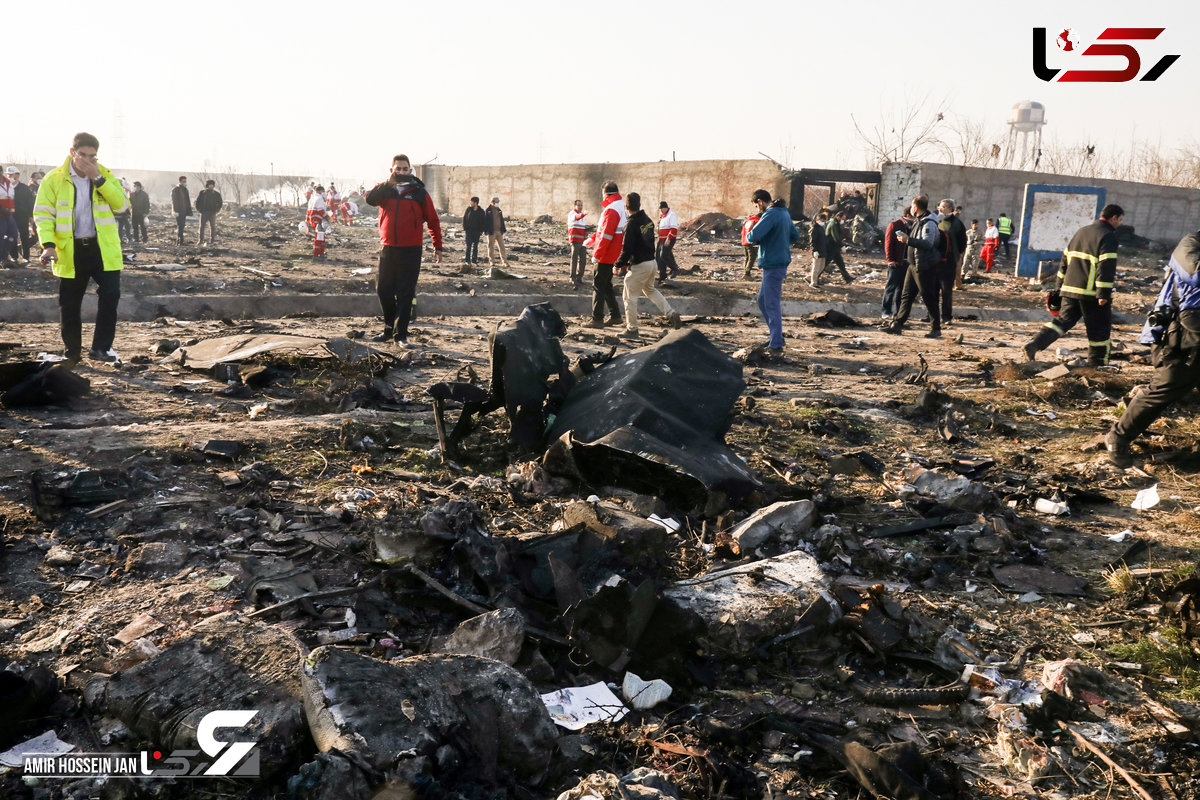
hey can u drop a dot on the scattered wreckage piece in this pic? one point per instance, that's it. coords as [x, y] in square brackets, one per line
[224, 349]
[443, 718]
[795, 517]
[641, 784]
[39, 383]
[737, 609]
[654, 420]
[528, 369]
[53, 490]
[226, 660]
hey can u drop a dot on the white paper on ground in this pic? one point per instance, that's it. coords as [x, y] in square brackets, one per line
[48, 744]
[1146, 498]
[577, 706]
[643, 694]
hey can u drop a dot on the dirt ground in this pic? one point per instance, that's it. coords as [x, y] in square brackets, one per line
[67, 583]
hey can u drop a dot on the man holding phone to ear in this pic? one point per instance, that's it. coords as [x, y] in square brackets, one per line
[78, 233]
[405, 208]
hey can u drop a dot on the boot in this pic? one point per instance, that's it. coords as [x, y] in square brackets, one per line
[1118, 450]
[386, 336]
[1044, 338]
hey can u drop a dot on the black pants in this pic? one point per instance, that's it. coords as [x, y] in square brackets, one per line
[180, 220]
[603, 294]
[834, 256]
[664, 254]
[946, 272]
[1097, 321]
[139, 223]
[123, 227]
[211, 221]
[926, 283]
[1177, 375]
[1004, 237]
[472, 255]
[26, 236]
[578, 262]
[893, 287]
[399, 268]
[89, 265]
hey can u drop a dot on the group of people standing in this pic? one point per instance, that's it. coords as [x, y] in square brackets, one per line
[927, 254]
[322, 210]
[16, 215]
[478, 222]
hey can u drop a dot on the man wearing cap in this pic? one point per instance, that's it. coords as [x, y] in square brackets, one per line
[495, 229]
[208, 203]
[774, 233]
[668, 231]
[74, 215]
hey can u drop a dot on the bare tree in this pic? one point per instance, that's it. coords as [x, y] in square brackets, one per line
[237, 182]
[912, 131]
[974, 145]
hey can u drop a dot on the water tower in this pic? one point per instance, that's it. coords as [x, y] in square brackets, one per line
[1025, 123]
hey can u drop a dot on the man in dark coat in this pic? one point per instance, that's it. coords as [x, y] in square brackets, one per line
[181, 204]
[474, 224]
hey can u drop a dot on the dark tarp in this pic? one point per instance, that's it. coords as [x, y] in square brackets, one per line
[654, 420]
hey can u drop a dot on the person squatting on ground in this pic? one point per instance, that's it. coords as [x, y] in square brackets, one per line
[818, 243]
[314, 217]
[139, 204]
[991, 240]
[78, 234]
[924, 256]
[496, 229]
[896, 255]
[474, 224]
[349, 210]
[668, 232]
[607, 243]
[775, 233]
[405, 208]
[208, 203]
[835, 234]
[638, 265]
[1085, 286]
[953, 242]
[181, 204]
[23, 212]
[750, 250]
[1173, 331]
[576, 233]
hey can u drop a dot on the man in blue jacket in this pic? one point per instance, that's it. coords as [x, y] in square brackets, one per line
[1173, 330]
[774, 234]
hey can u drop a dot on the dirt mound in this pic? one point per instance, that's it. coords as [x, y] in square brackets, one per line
[714, 222]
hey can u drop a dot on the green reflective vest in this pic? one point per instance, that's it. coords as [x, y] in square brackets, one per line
[1005, 226]
[54, 215]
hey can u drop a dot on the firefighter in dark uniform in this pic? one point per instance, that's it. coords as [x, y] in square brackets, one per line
[1085, 284]
[1173, 331]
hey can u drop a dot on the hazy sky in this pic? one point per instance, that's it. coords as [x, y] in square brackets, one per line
[335, 88]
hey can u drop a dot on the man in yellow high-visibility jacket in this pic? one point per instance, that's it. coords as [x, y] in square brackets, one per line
[78, 233]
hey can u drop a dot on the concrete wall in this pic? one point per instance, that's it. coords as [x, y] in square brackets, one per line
[691, 187]
[1160, 213]
[287, 189]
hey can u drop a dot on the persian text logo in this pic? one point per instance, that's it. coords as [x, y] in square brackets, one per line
[1111, 42]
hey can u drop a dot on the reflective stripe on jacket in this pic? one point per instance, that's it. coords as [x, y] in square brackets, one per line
[668, 225]
[1089, 264]
[610, 235]
[54, 215]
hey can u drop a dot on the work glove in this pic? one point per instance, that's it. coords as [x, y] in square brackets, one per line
[1054, 302]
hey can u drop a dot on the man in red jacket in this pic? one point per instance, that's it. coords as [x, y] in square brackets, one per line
[404, 210]
[608, 238]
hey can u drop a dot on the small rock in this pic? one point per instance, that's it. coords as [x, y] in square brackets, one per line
[157, 556]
